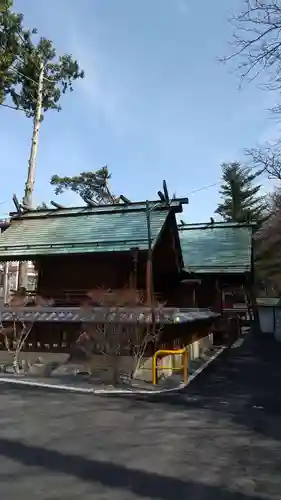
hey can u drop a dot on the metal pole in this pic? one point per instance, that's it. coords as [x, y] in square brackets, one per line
[185, 366]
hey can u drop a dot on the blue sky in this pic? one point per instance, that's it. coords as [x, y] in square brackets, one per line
[154, 104]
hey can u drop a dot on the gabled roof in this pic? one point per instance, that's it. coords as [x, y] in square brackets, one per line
[220, 247]
[78, 230]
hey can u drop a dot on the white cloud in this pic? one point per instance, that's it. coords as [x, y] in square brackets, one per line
[104, 91]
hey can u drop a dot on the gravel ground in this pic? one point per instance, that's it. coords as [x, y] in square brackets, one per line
[219, 439]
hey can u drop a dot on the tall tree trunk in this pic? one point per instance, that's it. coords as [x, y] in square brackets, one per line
[29, 185]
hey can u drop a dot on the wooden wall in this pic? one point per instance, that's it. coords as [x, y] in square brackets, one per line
[204, 294]
[68, 277]
[166, 256]
[62, 276]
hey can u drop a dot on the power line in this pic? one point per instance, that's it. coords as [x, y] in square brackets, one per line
[204, 187]
[24, 76]
[28, 77]
[18, 58]
[15, 70]
[12, 107]
[192, 192]
[21, 74]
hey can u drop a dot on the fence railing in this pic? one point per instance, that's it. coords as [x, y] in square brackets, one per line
[170, 352]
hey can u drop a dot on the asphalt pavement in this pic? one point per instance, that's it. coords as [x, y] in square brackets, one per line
[219, 439]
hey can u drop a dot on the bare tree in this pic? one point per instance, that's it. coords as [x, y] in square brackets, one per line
[256, 45]
[16, 334]
[115, 336]
[257, 42]
[267, 246]
[266, 159]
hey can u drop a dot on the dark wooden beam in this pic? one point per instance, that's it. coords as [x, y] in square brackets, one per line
[56, 205]
[16, 203]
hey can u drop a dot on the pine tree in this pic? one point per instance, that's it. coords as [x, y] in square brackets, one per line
[241, 201]
[88, 185]
[33, 79]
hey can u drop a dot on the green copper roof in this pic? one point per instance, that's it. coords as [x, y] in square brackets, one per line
[100, 209]
[217, 248]
[82, 230]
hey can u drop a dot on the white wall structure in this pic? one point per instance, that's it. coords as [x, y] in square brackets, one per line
[9, 273]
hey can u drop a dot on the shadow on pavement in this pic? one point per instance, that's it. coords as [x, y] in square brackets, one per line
[244, 384]
[144, 484]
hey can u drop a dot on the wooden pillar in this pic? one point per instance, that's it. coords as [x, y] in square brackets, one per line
[218, 304]
[134, 272]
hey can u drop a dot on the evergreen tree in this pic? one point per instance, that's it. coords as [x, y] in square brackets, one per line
[33, 79]
[88, 185]
[240, 197]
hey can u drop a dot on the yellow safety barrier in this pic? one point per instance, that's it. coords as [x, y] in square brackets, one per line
[167, 352]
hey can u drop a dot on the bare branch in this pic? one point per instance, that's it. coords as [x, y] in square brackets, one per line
[117, 338]
[267, 245]
[15, 335]
[267, 159]
[257, 41]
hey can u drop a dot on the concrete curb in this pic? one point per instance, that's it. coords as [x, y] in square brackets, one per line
[84, 390]
[204, 365]
[113, 391]
[44, 385]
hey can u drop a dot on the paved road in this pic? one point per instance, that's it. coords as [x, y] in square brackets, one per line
[221, 439]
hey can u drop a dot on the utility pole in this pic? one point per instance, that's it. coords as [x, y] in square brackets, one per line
[29, 185]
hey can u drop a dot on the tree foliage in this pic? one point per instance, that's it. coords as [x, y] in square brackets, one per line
[240, 196]
[88, 185]
[33, 79]
[13, 41]
[20, 58]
